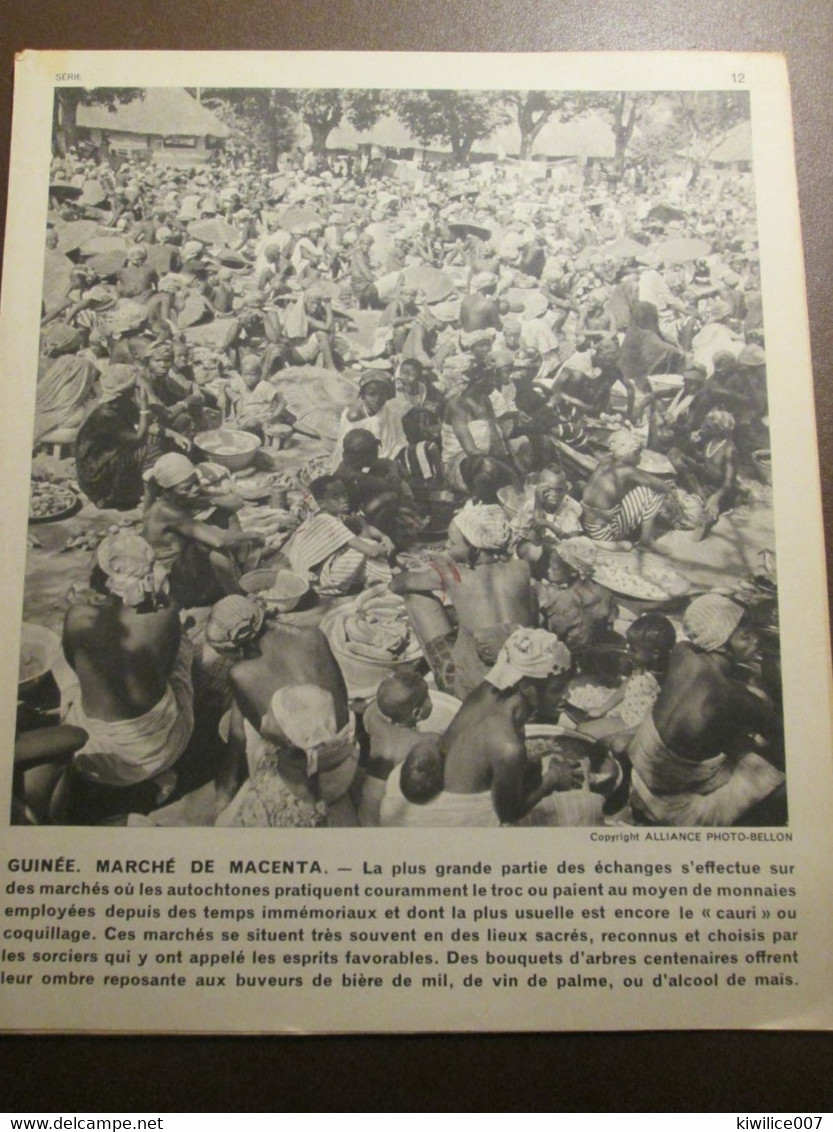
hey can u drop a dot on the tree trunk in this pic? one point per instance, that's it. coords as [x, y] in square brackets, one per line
[530, 129]
[69, 119]
[320, 132]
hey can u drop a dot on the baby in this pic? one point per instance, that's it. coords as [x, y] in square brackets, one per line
[402, 701]
[650, 641]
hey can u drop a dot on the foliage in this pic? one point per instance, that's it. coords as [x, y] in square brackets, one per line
[69, 98]
[457, 118]
[534, 108]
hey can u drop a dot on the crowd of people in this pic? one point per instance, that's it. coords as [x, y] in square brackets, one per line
[548, 376]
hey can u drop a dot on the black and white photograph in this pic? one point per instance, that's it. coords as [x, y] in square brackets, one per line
[401, 458]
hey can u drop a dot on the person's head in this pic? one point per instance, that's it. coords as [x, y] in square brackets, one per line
[159, 360]
[534, 663]
[550, 486]
[512, 333]
[484, 476]
[481, 350]
[403, 698]
[408, 296]
[626, 447]
[330, 493]
[233, 624]
[51, 239]
[250, 370]
[503, 365]
[375, 390]
[645, 316]
[719, 422]
[126, 567]
[477, 534]
[712, 620]
[360, 447]
[422, 775]
[485, 282]
[118, 383]
[694, 378]
[421, 424]
[650, 641]
[410, 373]
[174, 473]
[137, 255]
[723, 363]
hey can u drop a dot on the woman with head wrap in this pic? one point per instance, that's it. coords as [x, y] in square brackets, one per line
[489, 777]
[708, 468]
[196, 536]
[489, 591]
[113, 442]
[292, 755]
[692, 758]
[620, 501]
[172, 399]
[133, 693]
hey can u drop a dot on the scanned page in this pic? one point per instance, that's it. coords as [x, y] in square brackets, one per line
[413, 553]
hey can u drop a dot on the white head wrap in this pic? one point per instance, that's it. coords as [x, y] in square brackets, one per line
[115, 380]
[624, 443]
[170, 470]
[579, 553]
[529, 652]
[232, 622]
[710, 621]
[484, 526]
[131, 568]
[307, 716]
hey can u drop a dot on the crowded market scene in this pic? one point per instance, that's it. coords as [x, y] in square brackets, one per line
[410, 469]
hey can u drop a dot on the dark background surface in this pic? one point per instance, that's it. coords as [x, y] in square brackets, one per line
[712, 1071]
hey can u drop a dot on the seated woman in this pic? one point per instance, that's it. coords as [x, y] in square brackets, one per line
[376, 412]
[115, 441]
[197, 538]
[292, 754]
[336, 550]
[693, 758]
[377, 488]
[488, 591]
[172, 399]
[133, 695]
[64, 395]
[619, 501]
[573, 606]
[708, 466]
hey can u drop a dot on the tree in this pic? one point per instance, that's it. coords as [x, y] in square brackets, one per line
[262, 115]
[323, 110]
[688, 124]
[534, 108]
[69, 98]
[457, 118]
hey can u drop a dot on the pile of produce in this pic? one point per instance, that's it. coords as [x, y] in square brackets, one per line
[376, 627]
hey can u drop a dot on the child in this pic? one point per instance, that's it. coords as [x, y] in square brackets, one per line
[378, 488]
[650, 641]
[337, 551]
[256, 404]
[402, 701]
[551, 515]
